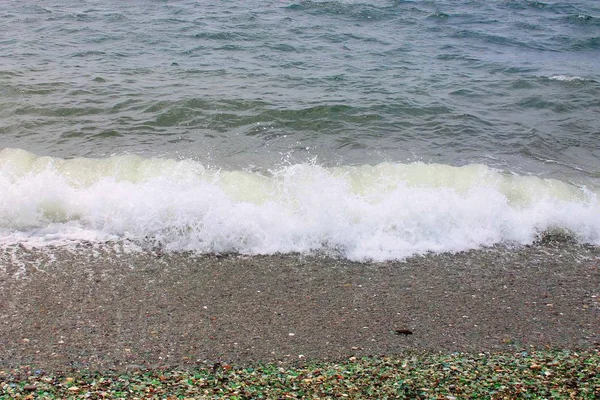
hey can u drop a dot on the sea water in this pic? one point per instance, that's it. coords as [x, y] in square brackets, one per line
[367, 130]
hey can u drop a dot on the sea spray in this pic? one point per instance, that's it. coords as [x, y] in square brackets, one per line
[379, 212]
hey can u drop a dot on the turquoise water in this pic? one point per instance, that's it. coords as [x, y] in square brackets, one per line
[266, 88]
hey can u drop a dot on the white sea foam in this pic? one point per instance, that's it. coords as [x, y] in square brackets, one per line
[382, 212]
[566, 78]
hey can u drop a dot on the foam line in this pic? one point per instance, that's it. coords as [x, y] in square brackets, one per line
[382, 212]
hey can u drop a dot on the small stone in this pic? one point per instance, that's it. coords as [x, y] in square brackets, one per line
[29, 388]
[74, 389]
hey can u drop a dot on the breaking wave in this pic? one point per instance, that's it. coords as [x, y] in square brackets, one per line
[382, 212]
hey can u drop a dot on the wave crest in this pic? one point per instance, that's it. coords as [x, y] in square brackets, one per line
[382, 212]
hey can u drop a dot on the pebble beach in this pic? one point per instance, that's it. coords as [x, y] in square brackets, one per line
[102, 308]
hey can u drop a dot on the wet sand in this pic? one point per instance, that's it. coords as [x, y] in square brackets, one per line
[102, 309]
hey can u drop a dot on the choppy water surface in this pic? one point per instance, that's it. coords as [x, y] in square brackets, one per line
[299, 104]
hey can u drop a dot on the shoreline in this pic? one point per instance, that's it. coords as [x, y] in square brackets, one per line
[101, 309]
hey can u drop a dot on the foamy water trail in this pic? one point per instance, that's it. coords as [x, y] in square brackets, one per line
[382, 212]
[567, 78]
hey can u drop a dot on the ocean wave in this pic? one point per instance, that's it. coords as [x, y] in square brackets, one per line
[567, 78]
[591, 43]
[381, 212]
[354, 11]
[583, 19]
